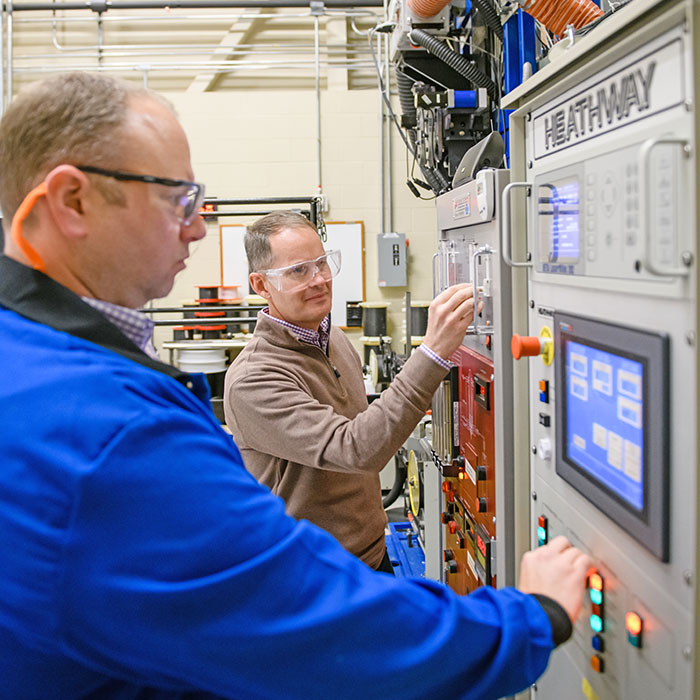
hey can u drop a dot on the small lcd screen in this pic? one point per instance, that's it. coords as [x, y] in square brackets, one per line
[604, 418]
[558, 214]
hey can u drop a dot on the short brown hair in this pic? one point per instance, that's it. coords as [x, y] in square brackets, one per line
[73, 118]
[257, 237]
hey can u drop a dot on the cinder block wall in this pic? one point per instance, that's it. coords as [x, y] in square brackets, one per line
[263, 143]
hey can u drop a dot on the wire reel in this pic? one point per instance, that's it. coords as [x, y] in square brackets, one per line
[415, 484]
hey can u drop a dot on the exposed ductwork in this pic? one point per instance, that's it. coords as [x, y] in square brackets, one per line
[427, 8]
[556, 15]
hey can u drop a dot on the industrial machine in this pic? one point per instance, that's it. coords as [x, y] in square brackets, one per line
[472, 438]
[601, 213]
[448, 81]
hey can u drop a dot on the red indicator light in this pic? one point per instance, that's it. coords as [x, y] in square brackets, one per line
[595, 581]
[633, 623]
[542, 521]
[452, 527]
[481, 545]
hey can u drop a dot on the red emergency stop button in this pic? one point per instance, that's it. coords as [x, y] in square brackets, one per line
[526, 346]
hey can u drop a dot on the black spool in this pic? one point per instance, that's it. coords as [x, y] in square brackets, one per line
[374, 321]
[419, 320]
[212, 332]
[209, 293]
[183, 332]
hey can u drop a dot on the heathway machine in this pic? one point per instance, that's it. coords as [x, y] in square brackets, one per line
[601, 212]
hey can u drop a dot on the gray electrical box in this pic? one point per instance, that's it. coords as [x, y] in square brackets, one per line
[391, 249]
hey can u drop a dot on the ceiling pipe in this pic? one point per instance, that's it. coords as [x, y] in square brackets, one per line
[101, 6]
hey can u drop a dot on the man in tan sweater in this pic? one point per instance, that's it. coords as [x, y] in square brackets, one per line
[295, 400]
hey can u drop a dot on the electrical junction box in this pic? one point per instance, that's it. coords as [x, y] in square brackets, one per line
[391, 249]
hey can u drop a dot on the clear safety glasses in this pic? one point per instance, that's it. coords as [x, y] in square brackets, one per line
[295, 277]
[187, 202]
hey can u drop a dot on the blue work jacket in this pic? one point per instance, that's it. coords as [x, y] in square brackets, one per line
[139, 558]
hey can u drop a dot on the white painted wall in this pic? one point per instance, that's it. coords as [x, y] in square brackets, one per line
[262, 143]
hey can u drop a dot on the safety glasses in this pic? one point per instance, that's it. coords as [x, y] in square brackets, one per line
[295, 277]
[187, 202]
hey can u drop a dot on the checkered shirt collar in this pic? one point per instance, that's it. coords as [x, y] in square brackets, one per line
[135, 325]
[318, 338]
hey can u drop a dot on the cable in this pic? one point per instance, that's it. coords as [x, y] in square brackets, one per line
[438, 187]
[491, 16]
[458, 63]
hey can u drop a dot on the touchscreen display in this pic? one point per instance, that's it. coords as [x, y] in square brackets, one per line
[558, 215]
[605, 419]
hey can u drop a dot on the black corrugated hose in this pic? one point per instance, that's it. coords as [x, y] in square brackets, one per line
[491, 16]
[435, 179]
[408, 105]
[458, 63]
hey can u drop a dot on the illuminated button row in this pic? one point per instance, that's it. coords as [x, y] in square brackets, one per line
[633, 622]
[596, 587]
[542, 530]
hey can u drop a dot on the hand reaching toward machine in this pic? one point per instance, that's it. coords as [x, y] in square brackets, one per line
[449, 316]
[557, 570]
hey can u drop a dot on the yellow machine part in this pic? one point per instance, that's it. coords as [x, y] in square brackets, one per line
[413, 483]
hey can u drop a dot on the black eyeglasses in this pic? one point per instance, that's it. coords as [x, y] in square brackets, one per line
[189, 203]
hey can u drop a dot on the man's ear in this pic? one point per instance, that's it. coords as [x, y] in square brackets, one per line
[67, 190]
[257, 282]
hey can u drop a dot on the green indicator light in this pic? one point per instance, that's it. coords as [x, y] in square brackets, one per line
[596, 597]
[541, 534]
[596, 623]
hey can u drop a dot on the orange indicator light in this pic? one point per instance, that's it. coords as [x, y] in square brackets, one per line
[595, 581]
[633, 623]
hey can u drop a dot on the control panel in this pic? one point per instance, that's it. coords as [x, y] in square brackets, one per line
[472, 417]
[602, 216]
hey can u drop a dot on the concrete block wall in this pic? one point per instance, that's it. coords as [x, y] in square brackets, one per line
[257, 143]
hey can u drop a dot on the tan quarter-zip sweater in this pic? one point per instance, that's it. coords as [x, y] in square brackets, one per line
[310, 436]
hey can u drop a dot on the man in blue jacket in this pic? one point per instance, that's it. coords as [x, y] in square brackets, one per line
[138, 557]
